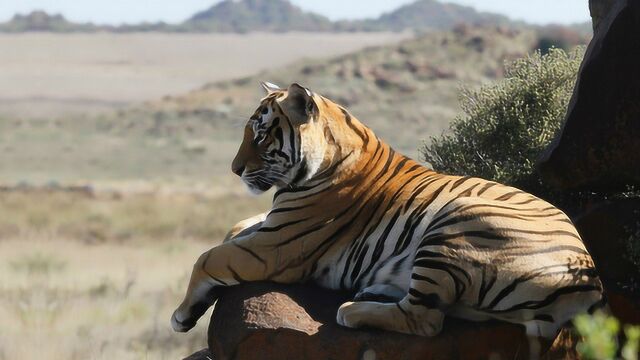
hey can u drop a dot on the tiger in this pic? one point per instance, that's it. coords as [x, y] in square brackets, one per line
[413, 245]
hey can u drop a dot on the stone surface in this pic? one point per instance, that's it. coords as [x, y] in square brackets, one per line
[606, 230]
[268, 321]
[599, 9]
[599, 145]
[204, 354]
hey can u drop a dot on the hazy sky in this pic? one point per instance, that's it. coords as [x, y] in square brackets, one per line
[133, 11]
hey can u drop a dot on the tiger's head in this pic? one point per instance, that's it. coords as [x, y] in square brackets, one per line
[284, 142]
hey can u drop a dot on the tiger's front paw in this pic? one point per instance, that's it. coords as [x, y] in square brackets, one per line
[181, 323]
[186, 317]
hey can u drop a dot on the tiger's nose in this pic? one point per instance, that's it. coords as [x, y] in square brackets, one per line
[237, 169]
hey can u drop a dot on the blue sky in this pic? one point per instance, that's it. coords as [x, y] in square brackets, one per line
[133, 11]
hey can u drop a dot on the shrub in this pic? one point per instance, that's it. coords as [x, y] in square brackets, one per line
[556, 36]
[600, 334]
[506, 125]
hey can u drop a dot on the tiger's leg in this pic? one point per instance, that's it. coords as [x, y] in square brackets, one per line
[420, 312]
[204, 287]
[206, 290]
[254, 257]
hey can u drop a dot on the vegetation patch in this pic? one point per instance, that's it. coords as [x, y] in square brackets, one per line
[506, 125]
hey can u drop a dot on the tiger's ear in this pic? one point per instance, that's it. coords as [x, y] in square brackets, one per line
[270, 87]
[299, 105]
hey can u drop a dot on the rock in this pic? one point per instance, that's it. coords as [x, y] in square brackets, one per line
[606, 230]
[598, 146]
[200, 355]
[269, 321]
[599, 9]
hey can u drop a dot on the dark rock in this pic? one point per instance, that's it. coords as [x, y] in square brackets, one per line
[599, 146]
[599, 9]
[607, 230]
[268, 321]
[200, 355]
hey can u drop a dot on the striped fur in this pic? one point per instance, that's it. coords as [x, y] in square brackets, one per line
[414, 245]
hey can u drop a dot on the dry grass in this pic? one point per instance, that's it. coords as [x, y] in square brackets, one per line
[117, 217]
[62, 299]
[96, 276]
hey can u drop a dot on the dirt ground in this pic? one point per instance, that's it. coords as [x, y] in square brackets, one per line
[44, 74]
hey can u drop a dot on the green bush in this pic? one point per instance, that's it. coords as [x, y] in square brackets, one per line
[506, 125]
[599, 338]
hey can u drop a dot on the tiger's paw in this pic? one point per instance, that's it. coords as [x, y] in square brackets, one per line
[362, 314]
[186, 317]
[180, 324]
[346, 315]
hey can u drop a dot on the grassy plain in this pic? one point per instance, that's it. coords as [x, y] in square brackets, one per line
[97, 274]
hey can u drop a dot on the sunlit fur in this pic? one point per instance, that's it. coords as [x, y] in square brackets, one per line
[414, 245]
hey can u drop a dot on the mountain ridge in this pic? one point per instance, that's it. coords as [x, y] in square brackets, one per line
[240, 16]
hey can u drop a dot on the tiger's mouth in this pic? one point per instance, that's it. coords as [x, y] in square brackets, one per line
[257, 182]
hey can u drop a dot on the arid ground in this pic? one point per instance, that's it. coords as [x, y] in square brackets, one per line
[44, 74]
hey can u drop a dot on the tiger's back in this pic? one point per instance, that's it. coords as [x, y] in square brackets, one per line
[505, 253]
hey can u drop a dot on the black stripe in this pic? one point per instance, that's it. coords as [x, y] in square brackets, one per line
[287, 209]
[282, 225]
[468, 192]
[250, 252]
[439, 239]
[360, 133]
[488, 280]
[380, 245]
[426, 182]
[274, 123]
[459, 182]
[301, 173]
[419, 277]
[235, 275]
[537, 304]
[486, 187]
[431, 301]
[466, 207]
[543, 317]
[509, 195]
[292, 142]
[448, 268]
[476, 216]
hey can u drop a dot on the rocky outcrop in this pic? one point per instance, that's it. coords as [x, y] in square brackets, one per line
[204, 354]
[599, 145]
[599, 9]
[268, 321]
[608, 230]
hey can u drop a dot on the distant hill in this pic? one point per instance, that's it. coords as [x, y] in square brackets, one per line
[41, 21]
[256, 15]
[242, 16]
[427, 14]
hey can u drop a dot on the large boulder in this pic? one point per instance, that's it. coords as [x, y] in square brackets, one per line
[599, 145]
[610, 230]
[599, 10]
[204, 354]
[267, 321]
